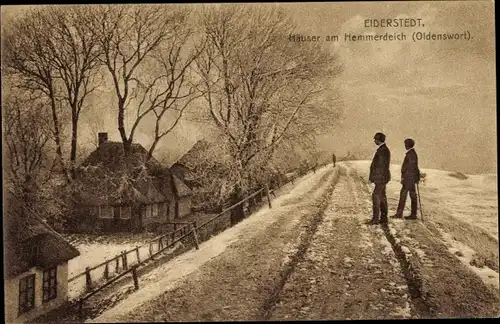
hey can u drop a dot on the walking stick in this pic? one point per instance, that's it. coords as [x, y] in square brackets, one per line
[420, 203]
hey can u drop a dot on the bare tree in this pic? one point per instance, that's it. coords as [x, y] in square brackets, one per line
[166, 88]
[54, 52]
[27, 132]
[134, 40]
[260, 89]
[28, 61]
[75, 52]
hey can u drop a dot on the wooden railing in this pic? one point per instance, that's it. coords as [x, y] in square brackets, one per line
[196, 233]
[123, 261]
[154, 247]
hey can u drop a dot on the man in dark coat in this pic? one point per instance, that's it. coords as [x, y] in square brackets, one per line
[380, 175]
[334, 159]
[410, 175]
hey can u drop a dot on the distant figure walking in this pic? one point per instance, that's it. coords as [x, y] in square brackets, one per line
[334, 159]
[380, 175]
[410, 176]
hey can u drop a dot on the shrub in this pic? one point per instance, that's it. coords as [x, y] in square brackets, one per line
[458, 175]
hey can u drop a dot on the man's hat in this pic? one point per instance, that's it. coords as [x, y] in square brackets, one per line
[380, 137]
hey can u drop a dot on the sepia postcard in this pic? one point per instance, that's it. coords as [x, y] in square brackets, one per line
[249, 162]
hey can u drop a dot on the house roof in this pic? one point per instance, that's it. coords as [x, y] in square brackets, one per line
[109, 191]
[193, 153]
[163, 181]
[24, 230]
[111, 156]
[182, 189]
[108, 176]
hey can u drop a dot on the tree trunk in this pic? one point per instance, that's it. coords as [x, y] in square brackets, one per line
[151, 150]
[57, 135]
[121, 126]
[74, 137]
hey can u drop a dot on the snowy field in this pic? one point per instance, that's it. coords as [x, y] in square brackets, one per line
[95, 249]
[473, 200]
[469, 199]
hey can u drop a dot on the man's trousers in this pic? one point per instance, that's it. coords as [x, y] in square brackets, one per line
[379, 198]
[408, 187]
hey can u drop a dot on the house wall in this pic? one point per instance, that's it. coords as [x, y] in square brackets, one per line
[11, 290]
[115, 225]
[171, 216]
[86, 219]
[152, 223]
[184, 206]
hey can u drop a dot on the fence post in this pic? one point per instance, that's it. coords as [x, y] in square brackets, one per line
[175, 227]
[150, 249]
[138, 255]
[242, 210]
[160, 244]
[173, 236]
[106, 271]
[268, 197]
[117, 264]
[88, 279]
[124, 257]
[273, 191]
[134, 276]
[195, 236]
[258, 197]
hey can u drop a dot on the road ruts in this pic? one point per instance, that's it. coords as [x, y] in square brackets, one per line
[238, 283]
[440, 285]
[349, 270]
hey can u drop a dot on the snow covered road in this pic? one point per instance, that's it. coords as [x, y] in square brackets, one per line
[237, 258]
[312, 257]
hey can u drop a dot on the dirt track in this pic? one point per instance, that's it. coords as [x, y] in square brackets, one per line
[316, 259]
[348, 272]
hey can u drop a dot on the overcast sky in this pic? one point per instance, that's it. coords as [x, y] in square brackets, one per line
[440, 93]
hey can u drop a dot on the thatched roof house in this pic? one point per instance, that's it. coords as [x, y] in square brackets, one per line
[120, 192]
[36, 265]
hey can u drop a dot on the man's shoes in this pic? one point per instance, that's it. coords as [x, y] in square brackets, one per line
[397, 216]
[411, 217]
[372, 222]
[384, 220]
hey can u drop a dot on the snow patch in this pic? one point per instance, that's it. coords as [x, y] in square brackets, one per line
[404, 312]
[473, 200]
[387, 250]
[365, 241]
[465, 254]
[405, 249]
[348, 260]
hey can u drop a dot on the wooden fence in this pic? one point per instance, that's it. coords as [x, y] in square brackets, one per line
[128, 261]
[93, 276]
